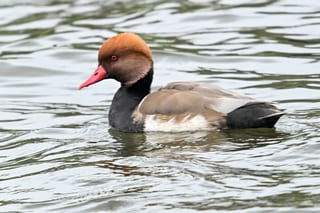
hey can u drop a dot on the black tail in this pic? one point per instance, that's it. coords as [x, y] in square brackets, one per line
[254, 115]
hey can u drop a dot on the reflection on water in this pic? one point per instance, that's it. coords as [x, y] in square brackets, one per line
[58, 153]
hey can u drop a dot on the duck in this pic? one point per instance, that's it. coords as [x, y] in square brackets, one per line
[176, 107]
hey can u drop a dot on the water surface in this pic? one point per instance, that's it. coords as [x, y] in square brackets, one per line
[58, 153]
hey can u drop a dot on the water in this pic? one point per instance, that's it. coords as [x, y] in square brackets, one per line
[58, 153]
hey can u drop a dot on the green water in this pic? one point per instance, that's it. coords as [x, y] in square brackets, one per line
[58, 153]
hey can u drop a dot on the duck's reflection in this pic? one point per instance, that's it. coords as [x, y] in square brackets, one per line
[151, 142]
[202, 141]
[147, 154]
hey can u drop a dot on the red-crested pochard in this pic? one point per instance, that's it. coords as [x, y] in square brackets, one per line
[179, 106]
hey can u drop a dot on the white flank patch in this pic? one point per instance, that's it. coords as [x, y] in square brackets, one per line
[194, 124]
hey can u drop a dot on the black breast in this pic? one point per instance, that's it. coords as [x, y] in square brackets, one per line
[124, 102]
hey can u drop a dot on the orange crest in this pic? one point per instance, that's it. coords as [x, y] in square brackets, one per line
[124, 42]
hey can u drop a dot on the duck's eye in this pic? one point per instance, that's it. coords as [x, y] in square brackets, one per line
[114, 58]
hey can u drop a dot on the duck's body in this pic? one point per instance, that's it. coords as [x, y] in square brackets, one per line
[180, 106]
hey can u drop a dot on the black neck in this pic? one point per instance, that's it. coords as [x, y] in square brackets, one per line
[124, 102]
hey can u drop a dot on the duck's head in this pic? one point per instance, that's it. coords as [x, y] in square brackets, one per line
[124, 57]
